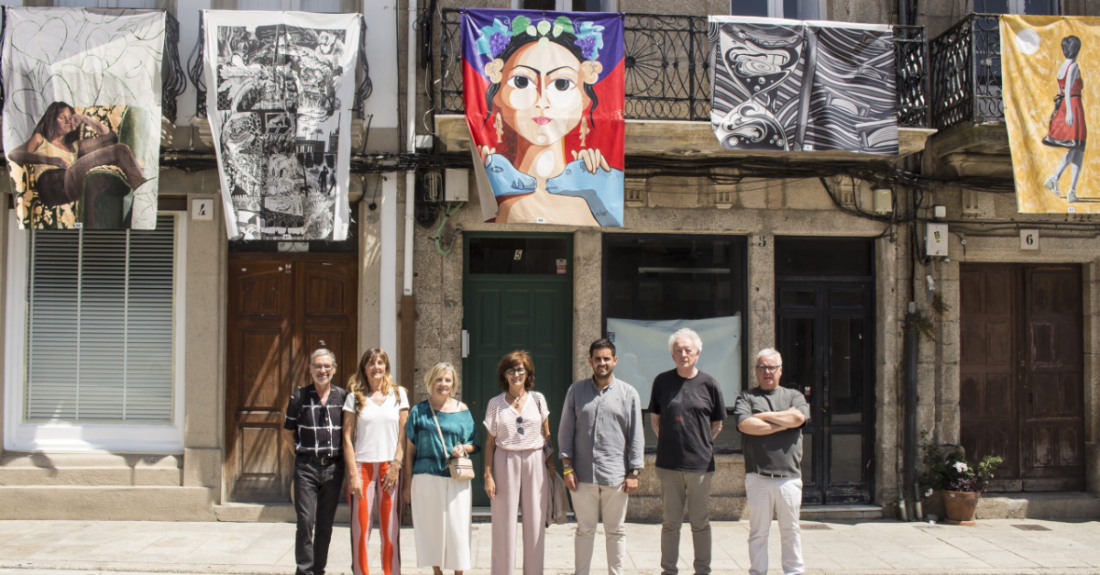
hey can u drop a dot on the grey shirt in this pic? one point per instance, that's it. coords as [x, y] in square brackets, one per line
[781, 452]
[602, 432]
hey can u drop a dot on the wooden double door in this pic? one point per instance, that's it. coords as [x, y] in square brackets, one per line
[281, 308]
[1021, 377]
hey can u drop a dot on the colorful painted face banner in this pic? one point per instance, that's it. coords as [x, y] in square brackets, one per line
[544, 104]
[794, 86]
[281, 89]
[82, 116]
[1046, 62]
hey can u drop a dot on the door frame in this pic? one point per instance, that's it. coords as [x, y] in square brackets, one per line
[482, 393]
[229, 395]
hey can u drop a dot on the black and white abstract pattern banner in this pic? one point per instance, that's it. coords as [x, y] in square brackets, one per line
[282, 86]
[794, 86]
[82, 116]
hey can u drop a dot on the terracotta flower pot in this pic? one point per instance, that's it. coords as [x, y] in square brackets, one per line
[962, 506]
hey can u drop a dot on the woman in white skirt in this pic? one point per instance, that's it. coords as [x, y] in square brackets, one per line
[441, 506]
[517, 453]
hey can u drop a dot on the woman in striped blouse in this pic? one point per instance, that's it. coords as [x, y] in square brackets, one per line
[517, 453]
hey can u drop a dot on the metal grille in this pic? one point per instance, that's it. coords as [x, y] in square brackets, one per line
[667, 69]
[966, 73]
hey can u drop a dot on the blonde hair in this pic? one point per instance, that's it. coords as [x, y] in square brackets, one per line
[436, 372]
[359, 385]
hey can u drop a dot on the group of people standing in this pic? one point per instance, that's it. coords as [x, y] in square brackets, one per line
[391, 452]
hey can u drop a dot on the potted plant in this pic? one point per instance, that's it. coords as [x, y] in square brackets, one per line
[961, 481]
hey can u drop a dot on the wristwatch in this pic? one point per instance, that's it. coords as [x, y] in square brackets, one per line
[635, 472]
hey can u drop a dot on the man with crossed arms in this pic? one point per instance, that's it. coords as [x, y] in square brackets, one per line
[771, 418]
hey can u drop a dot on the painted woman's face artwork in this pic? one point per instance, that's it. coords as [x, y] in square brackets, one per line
[544, 103]
[540, 95]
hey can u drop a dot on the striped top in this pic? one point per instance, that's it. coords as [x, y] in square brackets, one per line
[516, 431]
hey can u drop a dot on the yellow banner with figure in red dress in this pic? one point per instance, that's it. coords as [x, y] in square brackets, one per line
[1051, 80]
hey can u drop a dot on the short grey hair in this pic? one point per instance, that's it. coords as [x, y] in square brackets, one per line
[688, 333]
[322, 351]
[768, 352]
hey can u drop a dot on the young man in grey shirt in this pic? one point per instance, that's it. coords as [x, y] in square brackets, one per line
[771, 418]
[602, 445]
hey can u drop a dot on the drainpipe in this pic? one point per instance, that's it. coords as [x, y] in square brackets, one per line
[408, 300]
[903, 12]
[911, 348]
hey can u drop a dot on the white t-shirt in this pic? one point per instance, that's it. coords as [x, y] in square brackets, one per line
[376, 426]
[503, 421]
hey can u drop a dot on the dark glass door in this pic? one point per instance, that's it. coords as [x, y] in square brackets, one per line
[825, 332]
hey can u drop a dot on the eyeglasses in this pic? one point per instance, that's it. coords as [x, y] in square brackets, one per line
[517, 371]
[322, 367]
[768, 368]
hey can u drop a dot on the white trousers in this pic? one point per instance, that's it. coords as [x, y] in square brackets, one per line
[781, 497]
[441, 510]
[589, 501]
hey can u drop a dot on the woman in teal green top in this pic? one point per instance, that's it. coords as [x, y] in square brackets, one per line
[441, 506]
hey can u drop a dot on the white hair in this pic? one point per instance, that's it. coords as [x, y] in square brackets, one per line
[688, 333]
[322, 351]
[768, 352]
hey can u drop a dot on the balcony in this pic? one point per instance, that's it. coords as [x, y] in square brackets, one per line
[967, 109]
[667, 81]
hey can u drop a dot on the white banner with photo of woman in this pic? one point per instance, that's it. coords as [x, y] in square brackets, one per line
[82, 115]
[280, 89]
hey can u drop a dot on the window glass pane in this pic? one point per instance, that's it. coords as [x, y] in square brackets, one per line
[329, 6]
[100, 325]
[806, 9]
[749, 8]
[1040, 7]
[991, 6]
[677, 277]
[822, 257]
[846, 362]
[538, 5]
[540, 256]
[591, 5]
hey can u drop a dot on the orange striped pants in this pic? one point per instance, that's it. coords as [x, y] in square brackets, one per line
[389, 519]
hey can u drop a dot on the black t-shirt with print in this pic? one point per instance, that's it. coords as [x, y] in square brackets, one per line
[687, 408]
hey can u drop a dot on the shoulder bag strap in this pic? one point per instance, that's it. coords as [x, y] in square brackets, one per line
[440, 430]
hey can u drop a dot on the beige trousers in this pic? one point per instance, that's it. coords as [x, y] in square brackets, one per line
[521, 481]
[680, 489]
[589, 502]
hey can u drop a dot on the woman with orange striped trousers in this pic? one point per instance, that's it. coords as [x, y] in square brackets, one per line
[374, 422]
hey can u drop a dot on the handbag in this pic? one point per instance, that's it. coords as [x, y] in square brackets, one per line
[461, 468]
[556, 508]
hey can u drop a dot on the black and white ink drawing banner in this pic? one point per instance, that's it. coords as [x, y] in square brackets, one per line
[801, 86]
[81, 121]
[282, 86]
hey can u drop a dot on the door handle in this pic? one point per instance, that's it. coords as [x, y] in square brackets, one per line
[465, 344]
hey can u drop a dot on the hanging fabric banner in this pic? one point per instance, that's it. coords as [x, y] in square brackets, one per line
[544, 103]
[795, 86]
[82, 116]
[1048, 94]
[282, 86]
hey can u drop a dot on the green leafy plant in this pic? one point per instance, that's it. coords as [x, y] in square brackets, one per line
[946, 468]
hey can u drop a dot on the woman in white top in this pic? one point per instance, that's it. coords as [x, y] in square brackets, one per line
[517, 453]
[374, 422]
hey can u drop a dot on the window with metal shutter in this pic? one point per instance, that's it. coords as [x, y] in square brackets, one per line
[100, 325]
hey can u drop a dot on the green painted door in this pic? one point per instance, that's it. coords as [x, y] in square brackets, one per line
[517, 294]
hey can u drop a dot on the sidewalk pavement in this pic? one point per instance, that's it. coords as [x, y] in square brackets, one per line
[851, 547]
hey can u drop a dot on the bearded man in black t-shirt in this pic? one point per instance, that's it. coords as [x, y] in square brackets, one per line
[686, 412]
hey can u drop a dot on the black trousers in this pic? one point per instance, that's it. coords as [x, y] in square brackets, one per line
[316, 494]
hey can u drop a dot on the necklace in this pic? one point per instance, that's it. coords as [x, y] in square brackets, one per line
[514, 400]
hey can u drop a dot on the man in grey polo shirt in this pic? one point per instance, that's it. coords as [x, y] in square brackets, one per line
[602, 445]
[771, 417]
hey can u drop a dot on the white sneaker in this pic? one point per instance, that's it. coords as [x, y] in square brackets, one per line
[1051, 184]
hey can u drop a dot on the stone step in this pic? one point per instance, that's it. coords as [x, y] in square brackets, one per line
[834, 512]
[268, 513]
[90, 470]
[1059, 505]
[110, 503]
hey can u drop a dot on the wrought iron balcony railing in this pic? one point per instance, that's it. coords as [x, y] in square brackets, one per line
[966, 73]
[667, 70]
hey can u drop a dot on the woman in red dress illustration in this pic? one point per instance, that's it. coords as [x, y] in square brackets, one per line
[1067, 124]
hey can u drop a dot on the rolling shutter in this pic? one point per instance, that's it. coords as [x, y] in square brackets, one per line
[100, 328]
